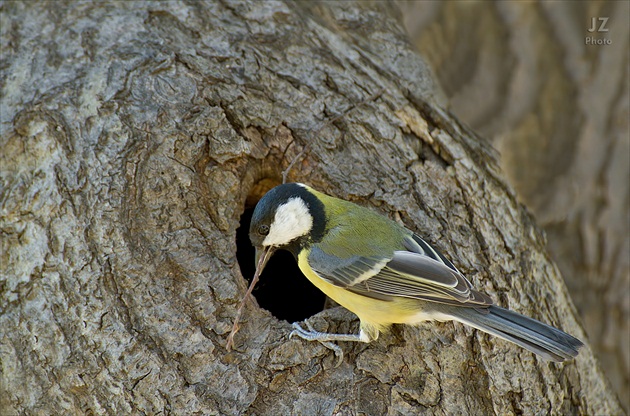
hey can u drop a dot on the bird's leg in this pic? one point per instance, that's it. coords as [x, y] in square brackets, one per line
[327, 339]
[312, 335]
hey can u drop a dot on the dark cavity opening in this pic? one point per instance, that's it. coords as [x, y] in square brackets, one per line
[282, 289]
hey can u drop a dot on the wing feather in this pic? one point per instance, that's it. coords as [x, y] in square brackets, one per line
[420, 272]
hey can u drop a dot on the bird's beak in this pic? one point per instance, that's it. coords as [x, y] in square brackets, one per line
[263, 254]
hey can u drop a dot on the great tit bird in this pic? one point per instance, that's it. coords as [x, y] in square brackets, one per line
[383, 272]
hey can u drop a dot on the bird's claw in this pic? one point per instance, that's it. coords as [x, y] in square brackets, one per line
[312, 335]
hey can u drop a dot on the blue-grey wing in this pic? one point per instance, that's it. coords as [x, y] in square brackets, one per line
[419, 272]
[345, 272]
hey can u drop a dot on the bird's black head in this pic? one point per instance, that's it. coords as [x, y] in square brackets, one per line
[287, 216]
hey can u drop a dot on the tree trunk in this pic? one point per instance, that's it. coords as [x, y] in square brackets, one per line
[135, 135]
[547, 83]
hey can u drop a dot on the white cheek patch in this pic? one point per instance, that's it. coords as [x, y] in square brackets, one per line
[292, 220]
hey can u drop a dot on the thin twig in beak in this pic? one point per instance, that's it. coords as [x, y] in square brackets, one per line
[262, 256]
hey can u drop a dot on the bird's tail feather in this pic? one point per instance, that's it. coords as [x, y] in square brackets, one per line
[528, 333]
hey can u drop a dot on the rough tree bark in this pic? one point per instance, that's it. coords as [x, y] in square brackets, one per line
[132, 137]
[550, 90]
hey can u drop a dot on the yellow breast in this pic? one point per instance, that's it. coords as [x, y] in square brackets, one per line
[379, 313]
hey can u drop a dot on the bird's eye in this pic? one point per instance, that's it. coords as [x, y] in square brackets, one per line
[263, 229]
